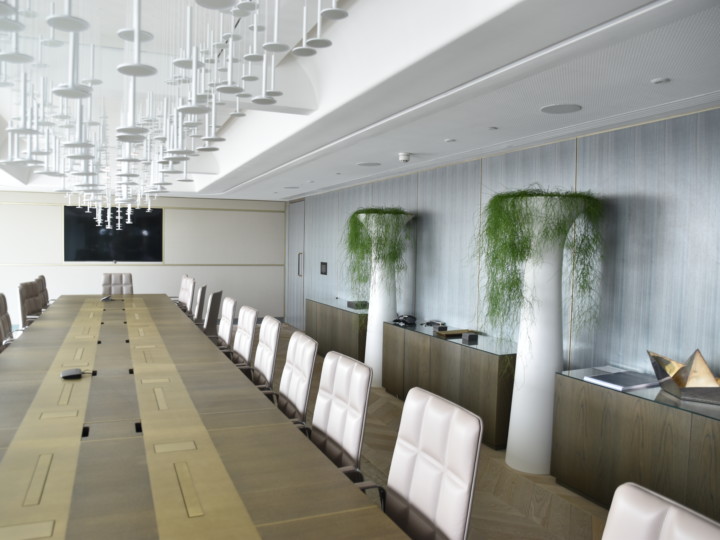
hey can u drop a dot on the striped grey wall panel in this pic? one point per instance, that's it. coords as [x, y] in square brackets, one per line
[448, 201]
[349, 200]
[660, 287]
[321, 233]
[402, 192]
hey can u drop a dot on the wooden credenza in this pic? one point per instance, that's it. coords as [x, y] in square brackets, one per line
[336, 327]
[477, 377]
[603, 438]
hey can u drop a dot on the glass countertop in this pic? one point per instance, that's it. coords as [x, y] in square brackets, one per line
[339, 303]
[655, 394]
[488, 344]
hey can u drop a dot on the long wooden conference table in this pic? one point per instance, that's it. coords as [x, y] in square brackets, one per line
[162, 438]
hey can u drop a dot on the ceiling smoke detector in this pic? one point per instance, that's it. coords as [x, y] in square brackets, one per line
[404, 156]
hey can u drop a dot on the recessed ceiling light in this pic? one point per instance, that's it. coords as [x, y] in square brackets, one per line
[493, 128]
[660, 80]
[368, 164]
[450, 140]
[564, 108]
[292, 187]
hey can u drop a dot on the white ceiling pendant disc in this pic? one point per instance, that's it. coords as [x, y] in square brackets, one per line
[334, 13]
[303, 51]
[11, 26]
[216, 4]
[137, 70]
[128, 34]
[68, 23]
[74, 91]
[274, 46]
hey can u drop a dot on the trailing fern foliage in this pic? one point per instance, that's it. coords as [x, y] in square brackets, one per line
[515, 230]
[382, 234]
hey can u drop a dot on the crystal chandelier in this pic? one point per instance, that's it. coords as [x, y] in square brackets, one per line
[208, 54]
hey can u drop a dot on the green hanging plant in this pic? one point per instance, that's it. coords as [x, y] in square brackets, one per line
[514, 231]
[384, 235]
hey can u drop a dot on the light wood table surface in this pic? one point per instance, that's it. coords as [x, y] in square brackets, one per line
[166, 440]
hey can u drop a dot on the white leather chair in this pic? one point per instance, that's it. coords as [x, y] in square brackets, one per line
[186, 294]
[641, 514]
[44, 295]
[198, 305]
[242, 347]
[30, 302]
[227, 320]
[182, 292]
[294, 390]
[117, 283]
[262, 371]
[432, 472]
[338, 421]
[6, 332]
[209, 323]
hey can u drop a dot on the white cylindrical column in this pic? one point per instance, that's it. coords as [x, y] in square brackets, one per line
[539, 343]
[382, 302]
[539, 356]
[381, 308]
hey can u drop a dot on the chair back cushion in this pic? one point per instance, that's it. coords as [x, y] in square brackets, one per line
[182, 293]
[641, 514]
[199, 303]
[297, 376]
[432, 473]
[5, 322]
[117, 283]
[187, 293]
[210, 325]
[245, 335]
[30, 301]
[227, 319]
[266, 352]
[44, 295]
[338, 419]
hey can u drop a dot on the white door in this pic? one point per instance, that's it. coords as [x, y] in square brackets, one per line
[294, 286]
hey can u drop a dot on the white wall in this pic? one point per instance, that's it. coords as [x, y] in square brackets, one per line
[234, 246]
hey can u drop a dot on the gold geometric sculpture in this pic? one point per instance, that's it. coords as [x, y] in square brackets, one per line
[692, 380]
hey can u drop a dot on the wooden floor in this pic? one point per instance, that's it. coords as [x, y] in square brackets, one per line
[507, 504]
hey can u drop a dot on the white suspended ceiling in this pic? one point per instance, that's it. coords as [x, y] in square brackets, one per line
[444, 81]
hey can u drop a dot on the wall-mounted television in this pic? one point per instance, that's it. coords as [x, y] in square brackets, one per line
[140, 241]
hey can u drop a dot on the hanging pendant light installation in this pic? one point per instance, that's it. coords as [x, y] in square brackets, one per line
[53, 130]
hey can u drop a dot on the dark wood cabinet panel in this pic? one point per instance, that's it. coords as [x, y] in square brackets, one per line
[603, 438]
[325, 329]
[703, 480]
[394, 360]
[478, 380]
[336, 329]
[417, 361]
[311, 319]
[349, 334]
[445, 367]
[486, 388]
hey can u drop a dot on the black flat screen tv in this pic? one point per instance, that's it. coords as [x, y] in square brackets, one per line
[140, 241]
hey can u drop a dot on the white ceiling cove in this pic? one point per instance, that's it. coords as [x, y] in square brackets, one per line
[448, 82]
